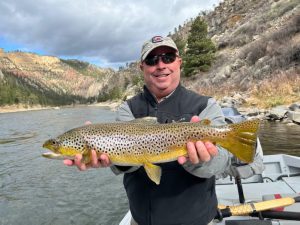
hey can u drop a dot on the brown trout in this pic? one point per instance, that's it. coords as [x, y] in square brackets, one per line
[138, 143]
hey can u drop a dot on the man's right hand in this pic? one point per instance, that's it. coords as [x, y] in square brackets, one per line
[96, 161]
[198, 151]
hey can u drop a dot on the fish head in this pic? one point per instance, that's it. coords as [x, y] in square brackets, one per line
[52, 144]
[65, 146]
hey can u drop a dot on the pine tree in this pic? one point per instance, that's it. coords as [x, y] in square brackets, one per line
[200, 49]
[180, 43]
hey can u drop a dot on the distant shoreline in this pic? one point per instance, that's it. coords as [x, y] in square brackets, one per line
[23, 108]
[113, 105]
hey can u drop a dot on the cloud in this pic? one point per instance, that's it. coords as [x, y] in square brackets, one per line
[111, 30]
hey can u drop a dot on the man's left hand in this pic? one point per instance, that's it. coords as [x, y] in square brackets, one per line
[198, 151]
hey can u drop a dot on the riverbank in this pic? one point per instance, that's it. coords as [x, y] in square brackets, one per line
[284, 113]
[22, 108]
[112, 105]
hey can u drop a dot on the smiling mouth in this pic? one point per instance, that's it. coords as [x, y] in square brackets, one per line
[160, 75]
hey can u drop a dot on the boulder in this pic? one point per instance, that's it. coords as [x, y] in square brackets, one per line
[295, 107]
[277, 113]
[294, 116]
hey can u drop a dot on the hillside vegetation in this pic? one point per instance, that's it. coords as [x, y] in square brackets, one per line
[258, 52]
[33, 79]
[30, 79]
[256, 47]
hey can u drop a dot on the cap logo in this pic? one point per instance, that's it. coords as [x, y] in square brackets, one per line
[156, 39]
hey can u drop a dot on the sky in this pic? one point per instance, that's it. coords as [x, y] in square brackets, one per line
[107, 33]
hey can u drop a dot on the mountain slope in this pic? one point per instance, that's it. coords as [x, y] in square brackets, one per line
[59, 81]
[258, 51]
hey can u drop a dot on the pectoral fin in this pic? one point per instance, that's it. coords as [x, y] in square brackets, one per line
[87, 153]
[153, 172]
[86, 156]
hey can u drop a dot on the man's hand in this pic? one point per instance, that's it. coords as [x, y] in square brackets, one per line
[96, 162]
[198, 151]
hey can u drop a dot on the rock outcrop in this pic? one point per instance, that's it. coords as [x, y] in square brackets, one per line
[258, 51]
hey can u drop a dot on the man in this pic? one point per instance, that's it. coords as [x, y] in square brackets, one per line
[186, 194]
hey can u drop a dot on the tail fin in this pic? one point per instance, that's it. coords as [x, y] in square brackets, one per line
[241, 140]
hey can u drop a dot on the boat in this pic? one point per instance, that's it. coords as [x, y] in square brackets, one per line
[280, 179]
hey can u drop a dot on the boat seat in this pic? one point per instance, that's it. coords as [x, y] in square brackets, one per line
[256, 178]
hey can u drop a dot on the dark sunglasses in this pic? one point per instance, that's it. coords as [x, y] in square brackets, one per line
[166, 58]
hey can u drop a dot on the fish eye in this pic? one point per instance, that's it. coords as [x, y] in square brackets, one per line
[54, 142]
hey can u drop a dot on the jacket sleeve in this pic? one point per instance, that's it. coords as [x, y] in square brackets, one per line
[123, 113]
[219, 163]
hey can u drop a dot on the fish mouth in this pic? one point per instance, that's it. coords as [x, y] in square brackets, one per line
[52, 155]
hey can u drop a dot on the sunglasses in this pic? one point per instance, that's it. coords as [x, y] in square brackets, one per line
[166, 58]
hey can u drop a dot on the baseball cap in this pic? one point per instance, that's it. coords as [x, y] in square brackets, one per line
[155, 42]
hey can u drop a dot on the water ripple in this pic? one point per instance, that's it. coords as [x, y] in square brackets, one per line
[16, 136]
[35, 190]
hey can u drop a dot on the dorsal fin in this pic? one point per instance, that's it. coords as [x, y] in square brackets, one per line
[206, 122]
[148, 119]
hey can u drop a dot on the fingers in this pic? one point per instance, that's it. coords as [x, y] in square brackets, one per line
[96, 162]
[199, 152]
[87, 122]
[68, 162]
[77, 162]
[211, 148]
[202, 151]
[192, 152]
[101, 161]
[182, 159]
[195, 119]
[104, 160]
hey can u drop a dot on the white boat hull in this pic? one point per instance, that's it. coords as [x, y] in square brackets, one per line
[280, 178]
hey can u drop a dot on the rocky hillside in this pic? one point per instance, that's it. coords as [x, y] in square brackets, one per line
[257, 63]
[258, 55]
[28, 78]
[34, 79]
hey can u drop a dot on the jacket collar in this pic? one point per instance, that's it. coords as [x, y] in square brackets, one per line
[153, 100]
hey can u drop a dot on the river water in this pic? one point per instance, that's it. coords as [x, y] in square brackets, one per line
[39, 191]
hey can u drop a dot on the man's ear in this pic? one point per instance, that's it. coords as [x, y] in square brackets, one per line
[180, 61]
[141, 67]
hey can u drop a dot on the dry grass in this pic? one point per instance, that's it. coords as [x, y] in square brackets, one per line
[217, 91]
[282, 89]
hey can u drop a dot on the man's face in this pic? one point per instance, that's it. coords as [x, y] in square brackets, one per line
[162, 78]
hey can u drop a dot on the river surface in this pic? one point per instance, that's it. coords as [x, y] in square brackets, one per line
[39, 191]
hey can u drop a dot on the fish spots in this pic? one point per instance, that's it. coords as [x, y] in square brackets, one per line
[126, 139]
[72, 140]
